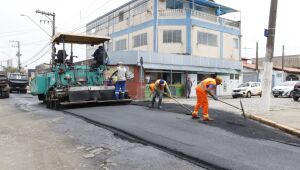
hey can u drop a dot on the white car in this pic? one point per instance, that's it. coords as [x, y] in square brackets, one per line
[247, 89]
[285, 89]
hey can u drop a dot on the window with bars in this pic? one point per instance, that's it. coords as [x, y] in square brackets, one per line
[172, 36]
[207, 39]
[174, 4]
[120, 45]
[140, 9]
[140, 40]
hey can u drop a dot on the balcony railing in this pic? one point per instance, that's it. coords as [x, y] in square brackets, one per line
[231, 23]
[171, 12]
[205, 16]
[198, 14]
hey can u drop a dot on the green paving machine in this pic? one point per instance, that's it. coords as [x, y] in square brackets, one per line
[67, 83]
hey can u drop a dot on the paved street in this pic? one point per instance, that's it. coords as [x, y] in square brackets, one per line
[283, 110]
[33, 137]
[229, 142]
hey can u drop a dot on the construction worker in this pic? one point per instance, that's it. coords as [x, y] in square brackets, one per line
[207, 86]
[120, 80]
[152, 88]
[159, 86]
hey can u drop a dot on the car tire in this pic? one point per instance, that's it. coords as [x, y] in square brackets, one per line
[275, 96]
[234, 97]
[291, 94]
[248, 95]
[296, 98]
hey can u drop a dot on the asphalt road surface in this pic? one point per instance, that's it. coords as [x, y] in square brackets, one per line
[33, 137]
[229, 142]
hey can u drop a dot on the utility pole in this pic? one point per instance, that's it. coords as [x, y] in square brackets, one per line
[17, 45]
[256, 63]
[268, 64]
[282, 63]
[283, 57]
[47, 14]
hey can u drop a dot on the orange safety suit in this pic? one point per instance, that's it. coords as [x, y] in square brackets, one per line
[202, 100]
[152, 88]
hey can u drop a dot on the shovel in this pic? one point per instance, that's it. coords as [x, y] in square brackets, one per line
[242, 108]
[180, 104]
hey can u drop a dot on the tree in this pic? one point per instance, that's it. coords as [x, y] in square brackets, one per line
[11, 69]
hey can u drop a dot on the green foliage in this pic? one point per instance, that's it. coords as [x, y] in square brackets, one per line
[14, 70]
[11, 69]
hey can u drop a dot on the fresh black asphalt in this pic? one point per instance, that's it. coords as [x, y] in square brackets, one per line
[229, 142]
[233, 123]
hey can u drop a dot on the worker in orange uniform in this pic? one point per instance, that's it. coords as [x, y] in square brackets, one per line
[152, 88]
[159, 86]
[207, 86]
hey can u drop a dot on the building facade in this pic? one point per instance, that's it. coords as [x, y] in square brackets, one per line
[279, 74]
[176, 39]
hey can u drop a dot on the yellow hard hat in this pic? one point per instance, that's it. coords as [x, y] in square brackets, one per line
[220, 79]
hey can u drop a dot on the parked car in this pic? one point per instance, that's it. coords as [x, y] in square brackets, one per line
[4, 88]
[285, 89]
[247, 89]
[296, 92]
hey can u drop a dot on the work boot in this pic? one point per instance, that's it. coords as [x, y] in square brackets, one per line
[207, 119]
[195, 115]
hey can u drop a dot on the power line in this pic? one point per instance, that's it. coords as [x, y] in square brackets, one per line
[82, 26]
[39, 57]
[37, 53]
[34, 42]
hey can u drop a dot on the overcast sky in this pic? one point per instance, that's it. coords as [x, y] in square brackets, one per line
[71, 15]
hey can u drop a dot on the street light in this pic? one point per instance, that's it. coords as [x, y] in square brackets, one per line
[36, 24]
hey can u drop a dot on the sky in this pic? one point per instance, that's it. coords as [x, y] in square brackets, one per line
[72, 15]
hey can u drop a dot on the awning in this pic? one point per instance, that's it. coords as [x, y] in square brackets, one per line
[220, 9]
[190, 68]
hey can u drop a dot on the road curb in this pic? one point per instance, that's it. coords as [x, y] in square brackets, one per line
[281, 127]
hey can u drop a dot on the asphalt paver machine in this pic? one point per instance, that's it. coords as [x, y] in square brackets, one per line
[68, 83]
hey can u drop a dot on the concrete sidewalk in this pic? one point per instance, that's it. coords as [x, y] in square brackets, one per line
[284, 113]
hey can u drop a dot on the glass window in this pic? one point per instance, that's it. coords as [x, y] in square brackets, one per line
[237, 76]
[121, 16]
[140, 40]
[120, 45]
[207, 39]
[172, 36]
[235, 43]
[174, 4]
[244, 85]
[231, 76]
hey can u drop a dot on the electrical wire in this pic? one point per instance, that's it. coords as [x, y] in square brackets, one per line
[37, 54]
[91, 13]
[33, 42]
[49, 49]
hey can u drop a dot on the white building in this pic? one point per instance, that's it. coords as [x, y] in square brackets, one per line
[175, 38]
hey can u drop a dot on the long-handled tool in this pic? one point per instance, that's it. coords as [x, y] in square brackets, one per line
[183, 106]
[242, 108]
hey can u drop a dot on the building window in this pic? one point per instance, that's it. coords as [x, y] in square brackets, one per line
[235, 43]
[140, 9]
[231, 76]
[140, 40]
[174, 4]
[121, 16]
[172, 36]
[120, 45]
[207, 39]
[237, 76]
